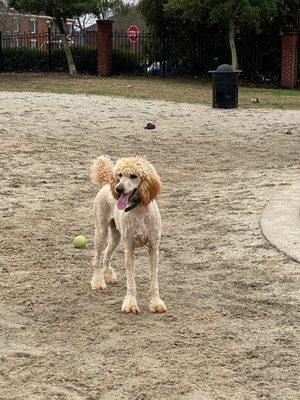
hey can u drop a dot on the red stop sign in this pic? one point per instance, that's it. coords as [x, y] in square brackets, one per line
[133, 33]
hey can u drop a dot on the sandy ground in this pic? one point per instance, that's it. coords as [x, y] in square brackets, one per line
[229, 332]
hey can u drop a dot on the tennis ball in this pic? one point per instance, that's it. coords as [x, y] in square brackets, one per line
[80, 242]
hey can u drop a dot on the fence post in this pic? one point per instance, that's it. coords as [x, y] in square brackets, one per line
[289, 59]
[104, 47]
[49, 49]
[1, 53]
[163, 66]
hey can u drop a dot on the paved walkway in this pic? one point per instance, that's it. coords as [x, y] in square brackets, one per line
[280, 221]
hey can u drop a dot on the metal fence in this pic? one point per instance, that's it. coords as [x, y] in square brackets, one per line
[42, 41]
[43, 50]
[259, 55]
[165, 55]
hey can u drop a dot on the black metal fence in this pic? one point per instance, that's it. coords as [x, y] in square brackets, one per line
[46, 40]
[44, 51]
[153, 55]
[259, 55]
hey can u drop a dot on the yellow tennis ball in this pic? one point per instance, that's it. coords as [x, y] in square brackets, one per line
[80, 242]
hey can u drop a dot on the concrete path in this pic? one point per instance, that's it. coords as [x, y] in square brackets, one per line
[280, 221]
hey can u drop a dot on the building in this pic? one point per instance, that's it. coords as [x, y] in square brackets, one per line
[12, 22]
[122, 21]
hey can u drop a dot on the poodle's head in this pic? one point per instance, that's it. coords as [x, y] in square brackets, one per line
[134, 177]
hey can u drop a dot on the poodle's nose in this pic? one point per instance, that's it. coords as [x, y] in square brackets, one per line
[120, 189]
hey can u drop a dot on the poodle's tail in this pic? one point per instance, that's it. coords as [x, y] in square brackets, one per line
[101, 171]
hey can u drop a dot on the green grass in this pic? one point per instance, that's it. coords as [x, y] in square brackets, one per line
[177, 90]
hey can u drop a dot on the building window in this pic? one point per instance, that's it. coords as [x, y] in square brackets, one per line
[32, 25]
[16, 25]
[16, 42]
[33, 43]
[69, 28]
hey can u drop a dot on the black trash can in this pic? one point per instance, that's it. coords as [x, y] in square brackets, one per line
[225, 87]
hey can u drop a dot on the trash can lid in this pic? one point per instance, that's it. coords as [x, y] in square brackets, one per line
[224, 68]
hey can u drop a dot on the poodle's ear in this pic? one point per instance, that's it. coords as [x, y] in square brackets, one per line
[113, 183]
[150, 188]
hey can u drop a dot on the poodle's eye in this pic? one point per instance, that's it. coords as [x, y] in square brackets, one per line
[120, 175]
[132, 176]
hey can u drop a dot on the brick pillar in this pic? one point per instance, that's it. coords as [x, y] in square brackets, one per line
[290, 43]
[104, 56]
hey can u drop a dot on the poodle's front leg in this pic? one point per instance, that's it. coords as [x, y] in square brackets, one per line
[130, 302]
[113, 241]
[156, 304]
[98, 282]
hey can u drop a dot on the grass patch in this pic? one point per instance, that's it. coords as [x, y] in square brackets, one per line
[177, 90]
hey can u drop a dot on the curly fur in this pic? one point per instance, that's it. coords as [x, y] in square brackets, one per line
[138, 227]
[151, 186]
[101, 170]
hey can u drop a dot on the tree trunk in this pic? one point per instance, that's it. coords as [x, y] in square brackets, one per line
[234, 59]
[66, 47]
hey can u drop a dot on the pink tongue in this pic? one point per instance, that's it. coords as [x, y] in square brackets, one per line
[123, 201]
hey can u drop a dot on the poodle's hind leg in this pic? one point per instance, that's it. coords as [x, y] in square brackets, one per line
[98, 282]
[156, 303]
[113, 240]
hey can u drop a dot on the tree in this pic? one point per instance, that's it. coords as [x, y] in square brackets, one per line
[103, 9]
[155, 14]
[60, 11]
[84, 21]
[229, 13]
[288, 16]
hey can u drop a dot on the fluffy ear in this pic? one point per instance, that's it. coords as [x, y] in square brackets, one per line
[113, 183]
[101, 171]
[150, 188]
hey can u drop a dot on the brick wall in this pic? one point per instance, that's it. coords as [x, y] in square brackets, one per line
[18, 23]
[290, 44]
[104, 58]
[15, 23]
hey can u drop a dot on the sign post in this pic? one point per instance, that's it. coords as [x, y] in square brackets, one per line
[133, 33]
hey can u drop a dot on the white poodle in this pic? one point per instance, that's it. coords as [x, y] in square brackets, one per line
[125, 209]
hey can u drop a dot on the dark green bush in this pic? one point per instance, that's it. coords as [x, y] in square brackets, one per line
[85, 58]
[124, 62]
[23, 59]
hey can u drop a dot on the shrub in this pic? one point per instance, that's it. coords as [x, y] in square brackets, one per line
[85, 59]
[124, 62]
[24, 59]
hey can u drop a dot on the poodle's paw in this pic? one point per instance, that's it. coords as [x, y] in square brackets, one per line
[157, 305]
[98, 282]
[110, 276]
[130, 305]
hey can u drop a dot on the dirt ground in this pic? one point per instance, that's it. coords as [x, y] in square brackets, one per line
[229, 333]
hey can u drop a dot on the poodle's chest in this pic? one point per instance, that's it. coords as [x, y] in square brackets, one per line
[133, 229]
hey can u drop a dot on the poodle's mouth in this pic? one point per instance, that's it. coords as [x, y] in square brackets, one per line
[125, 199]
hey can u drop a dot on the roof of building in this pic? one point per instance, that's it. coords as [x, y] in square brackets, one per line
[9, 10]
[123, 21]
